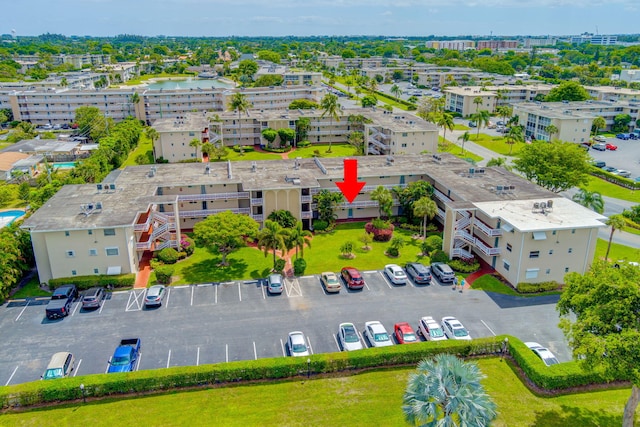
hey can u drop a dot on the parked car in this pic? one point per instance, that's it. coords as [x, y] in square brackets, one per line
[395, 274]
[125, 356]
[348, 337]
[543, 353]
[330, 282]
[443, 272]
[610, 169]
[352, 278]
[60, 366]
[472, 124]
[599, 138]
[61, 301]
[599, 146]
[454, 329]
[599, 164]
[623, 173]
[404, 333]
[297, 344]
[634, 136]
[377, 334]
[430, 330]
[274, 284]
[420, 273]
[623, 136]
[611, 147]
[93, 297]
[154, 296]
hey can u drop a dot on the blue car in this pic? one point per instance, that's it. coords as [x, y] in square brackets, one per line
[624, 136]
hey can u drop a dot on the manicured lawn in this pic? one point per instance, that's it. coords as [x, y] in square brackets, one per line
[612, 190]
[146, 77]
[496, 143]
[451, 148]
[324, 254]
[460, 127]
[617, 251]
[31, 289]
[144, 147]
[337, 150]
[367, 399]
[250, 155]
[491, 284]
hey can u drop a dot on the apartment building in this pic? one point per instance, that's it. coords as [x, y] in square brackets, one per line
[573, 125]
[613, 93]
[461, 99]
[496, 44]
[385, 132]
[597, 39]
[526, 233]
[76, 60]
[451, 44]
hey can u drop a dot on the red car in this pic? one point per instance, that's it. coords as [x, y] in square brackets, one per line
[611, 147]
[352, 278]
[404, 333]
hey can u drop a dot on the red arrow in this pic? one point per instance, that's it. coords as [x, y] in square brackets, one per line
[350, 187]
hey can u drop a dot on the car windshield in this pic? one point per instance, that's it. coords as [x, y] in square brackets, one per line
[550, 361]
[350, 334]
[381, 337]
[460, 332]
[298, 348]
[436, 333]
[120, 360]
[409, 337]
[89, 298]
[53, 373]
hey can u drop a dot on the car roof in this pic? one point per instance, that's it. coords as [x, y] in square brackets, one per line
[375, 325]
[404, 326]
[418, 266]
[58, 359]
[329, 274]
[352, 270]
[430, 321]
[393, 266]
[155, 290]
[275, 277]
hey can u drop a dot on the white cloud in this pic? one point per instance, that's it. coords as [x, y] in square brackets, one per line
[386, 13]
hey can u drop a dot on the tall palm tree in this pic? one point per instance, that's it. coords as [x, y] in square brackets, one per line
[481, 118]
[384, 198]
[446, 121]
[241, 104]
[589, 199]
[616, 222]
[504, 111]
[299, 238]
[499, 161]
[478, 101]
[272, 238]
[551, 130]
[372, 85]
[427, 209]
[331, 107]
[195, 143]
[135, 98]
[464, 138]
[598, 123]
[152, 134]
[396, 91]
[516, 134]
[446, 391]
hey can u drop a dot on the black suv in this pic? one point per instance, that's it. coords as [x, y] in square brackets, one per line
[93, 297]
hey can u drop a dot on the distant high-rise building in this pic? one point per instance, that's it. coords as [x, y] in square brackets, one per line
[597, 39]
[497, 44]
[451, 44]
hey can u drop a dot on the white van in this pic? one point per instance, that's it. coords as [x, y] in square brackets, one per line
[60, 366]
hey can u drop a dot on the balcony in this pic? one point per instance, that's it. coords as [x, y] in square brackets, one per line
[206, 212]
[257, 217]
[486, 249]
[256, 202]
[440, 196]
[306, 199]
[491, 232]
[213, 196]
[307, 215]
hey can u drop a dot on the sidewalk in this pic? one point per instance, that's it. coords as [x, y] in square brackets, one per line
[484, 269]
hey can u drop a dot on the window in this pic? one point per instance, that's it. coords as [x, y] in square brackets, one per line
[570, 250]
[71, 254]
[96, 271]
[74, 273]
[539, 235]
[531, 273]
[548, 271]
[573, 231]
[566, 269]
[534, 254]
[93, 252]
[553, 232]
[509, 247]
[506, 265]
[550, 251]
[90, 232]
[66, 233]
[109, 231]
[111, 251]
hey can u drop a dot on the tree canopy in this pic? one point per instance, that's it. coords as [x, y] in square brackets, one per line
[567, 91]
[225, 232]
[556, 167]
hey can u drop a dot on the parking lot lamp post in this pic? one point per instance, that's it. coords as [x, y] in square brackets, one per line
[505, 344]
[308, 368]
[84, 393]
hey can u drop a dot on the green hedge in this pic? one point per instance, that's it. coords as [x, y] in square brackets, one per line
[86, 282]
[532, 288]
[245, 148]
[615, 179]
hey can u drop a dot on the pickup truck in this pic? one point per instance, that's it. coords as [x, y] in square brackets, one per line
[61, 300]
[125, 357]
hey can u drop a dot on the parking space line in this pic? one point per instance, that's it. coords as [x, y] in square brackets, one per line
[262, 289]
[139, 361]
[336, 341]
[12, 374]
[76, 308]
[487, 326]
[198, 357]
[367, 286]
[169, 359]
[293, 288]
[166, 304]
[371, 271]
[104, 301]
[192, 288]
[309, 342]
[181, 286]
[135, 300]
[384, 277]
[107, 368]
[240, 292]
[216, 299]
[226, 352]
[255, 352]
[75, 370]
[284, 353]
[25, 307]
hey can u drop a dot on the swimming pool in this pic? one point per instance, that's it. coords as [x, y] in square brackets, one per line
[7, 217]
[64, 165]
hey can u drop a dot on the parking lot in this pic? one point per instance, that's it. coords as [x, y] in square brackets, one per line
[626, 157]
[222, 322]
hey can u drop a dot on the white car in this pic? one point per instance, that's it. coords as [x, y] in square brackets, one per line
[297, 344]
[349, 337]
[543, 353]
[396, 274]
[454, 329]
[377, 334]
[430, 329]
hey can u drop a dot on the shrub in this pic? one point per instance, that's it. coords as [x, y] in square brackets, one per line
[280, 263]
[431, 244]
[303, 144]
[164, 273]
[188, 245]
[319, 225]
[439, 256]
[86, 282]
[464, 265]
[243, 148]
[393, 252]
[527, 288]
[299, 265]
[347, 249]
[402, 220]
[382, 230]
[168, 256]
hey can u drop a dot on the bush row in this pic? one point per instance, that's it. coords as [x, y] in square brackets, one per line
[615, 179]
[462, 266]
[243, 148]
[40, 392]
[86, 282]
[531, 288]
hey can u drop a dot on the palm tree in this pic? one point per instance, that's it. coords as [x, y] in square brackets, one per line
[396, 91]
[598, 123]
[372, 85]
[356, 139]
[504, 111]
[478, 101]
[481, 118]
[272, 238]
[464, 138]
[331, 107]
[499, 161]
[135, 98]
[427, 209]
[446, 391]
[299, 238]
[616, 222]
[551, 130]
[241, 104]
[384, 198]
[195, 143]
[589, 199]
[446, 121]
[516, 134]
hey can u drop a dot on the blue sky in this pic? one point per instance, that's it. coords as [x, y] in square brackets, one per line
[320, 17]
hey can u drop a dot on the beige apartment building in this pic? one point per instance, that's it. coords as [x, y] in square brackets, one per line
[573, 125]
[461, 99]
[526, 233]
[385, 132]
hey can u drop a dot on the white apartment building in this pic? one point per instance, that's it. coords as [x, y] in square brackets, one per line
[574, 125]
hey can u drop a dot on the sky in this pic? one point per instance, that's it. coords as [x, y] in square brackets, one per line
[320, 17]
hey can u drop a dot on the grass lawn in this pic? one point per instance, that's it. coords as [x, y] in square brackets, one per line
[324, 253]
[617, 251]
[146, 77]
[445, 146]
[31, 289]
[337, 150]
[144, 147]
[612, 190]
[491, 284]
[496, 143]
[461, 127]
[250, 155]
[368, 399]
